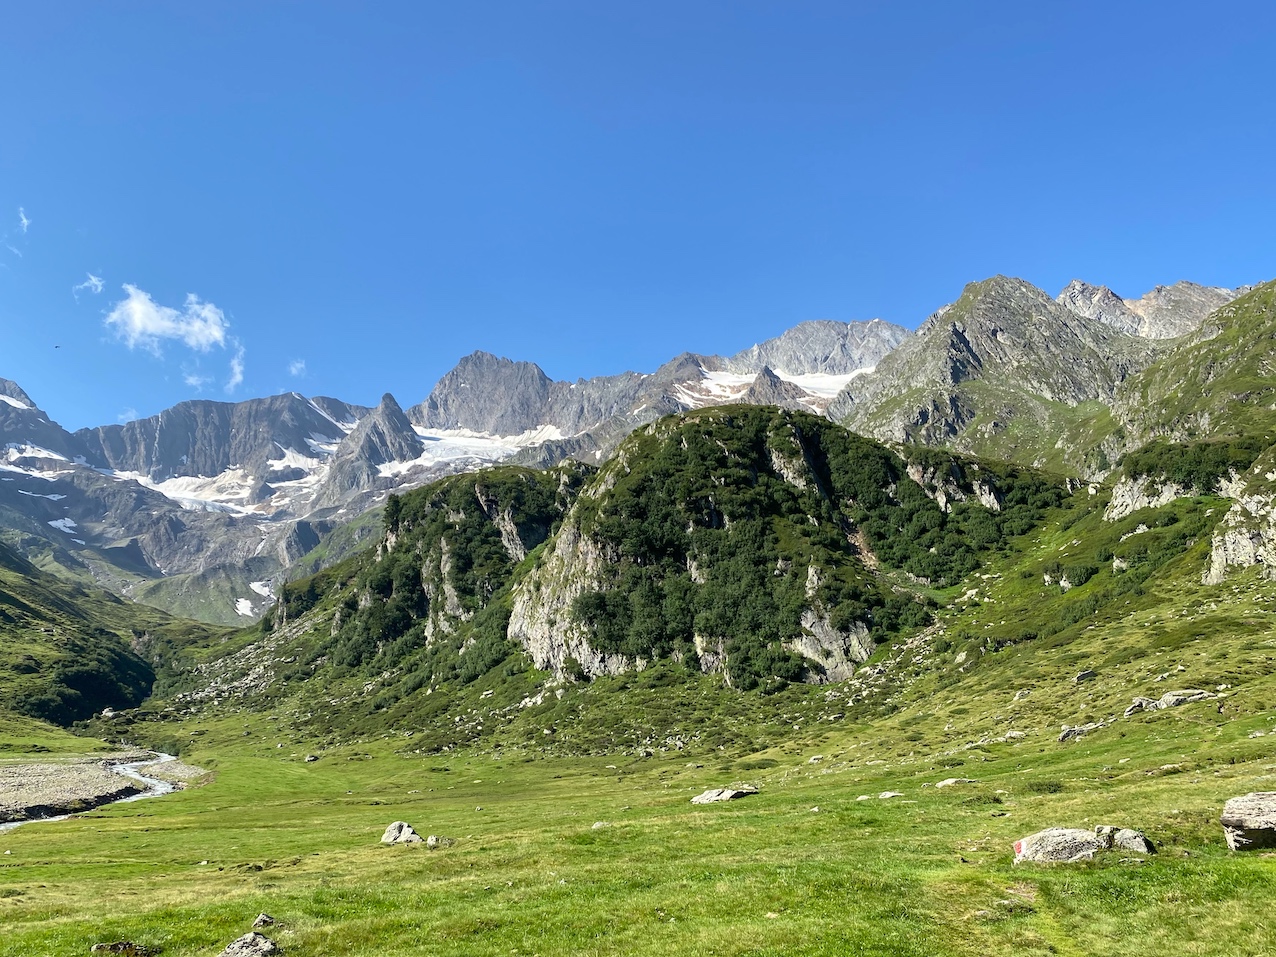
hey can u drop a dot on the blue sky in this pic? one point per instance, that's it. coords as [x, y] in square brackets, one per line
[343, 199]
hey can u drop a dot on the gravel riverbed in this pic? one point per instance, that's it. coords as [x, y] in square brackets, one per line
[31, 791]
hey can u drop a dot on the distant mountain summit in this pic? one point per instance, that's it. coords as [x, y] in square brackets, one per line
[1166, 312]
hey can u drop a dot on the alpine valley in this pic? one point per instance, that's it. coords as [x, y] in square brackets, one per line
[904, 597]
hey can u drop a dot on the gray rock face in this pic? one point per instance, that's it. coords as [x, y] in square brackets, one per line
[714, 795]
[251, 945]
[400, 832]
[1164, 313]
[1249, 822]
[822, 346]
[382, 436]
[769, 389]
[204, 438]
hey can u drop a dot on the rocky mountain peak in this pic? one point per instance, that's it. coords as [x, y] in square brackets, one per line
[11, 389]
[486, 393]
[1166, 312]
[822, 346]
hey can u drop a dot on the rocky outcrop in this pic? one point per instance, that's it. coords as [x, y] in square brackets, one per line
[1249, 822]
[716, 795]
[1171, 699]
[1245, 537]
[401, 832]
[542, 620]
[834, 655]
[1131, 495]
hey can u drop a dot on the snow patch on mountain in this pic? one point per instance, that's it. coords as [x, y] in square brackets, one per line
[10, 400]
[63, 525]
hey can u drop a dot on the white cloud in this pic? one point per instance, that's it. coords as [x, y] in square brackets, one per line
[94, 284]
[195, 380]
[236, 369]
[13, 250]
[22, 220]
[128, 415]
[297, 368]
[140, 321]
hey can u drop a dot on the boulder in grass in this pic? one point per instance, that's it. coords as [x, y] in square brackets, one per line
[1059, 845]
[400, 832]
[124, 947]
[251, 945]
[950, 782]
[263, 920]
[1125, 838]
[1249, 822]
[435, 841]
[714, 795]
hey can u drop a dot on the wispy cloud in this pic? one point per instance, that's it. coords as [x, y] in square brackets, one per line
[139, 321]
[195, 380]
[128, 415]
[297, 368]
[93, 284]
[23, 222]
[13, 249]
[236, 368]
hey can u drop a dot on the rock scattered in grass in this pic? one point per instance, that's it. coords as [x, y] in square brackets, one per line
[126, 947]
[400, 832]
[713, 795]
[887, 795]
[1070, 845]
[1085, 676]
[263, 920]
[435, 841]
[1070, 733]
[1171, 699]
[599, 825]
[251, 945]
[949, 782]
[1249, 822]
[1058, 845]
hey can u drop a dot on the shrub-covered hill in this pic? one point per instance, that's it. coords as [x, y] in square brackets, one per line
[762, 545]
[67, 652]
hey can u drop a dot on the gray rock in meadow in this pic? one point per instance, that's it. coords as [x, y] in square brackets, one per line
[125, 947]
[949, 782]
[714, 795]
[1249, 822]
[434, 842]
[1125, 838]
[1172, 699]
[1085, 676]
[251, 945]
[1059, 845]
[1141, 703]
[263, 920]
[887, 795]
[400, 832]
[1072, 733]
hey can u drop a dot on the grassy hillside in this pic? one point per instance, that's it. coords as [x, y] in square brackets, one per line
[67, 651]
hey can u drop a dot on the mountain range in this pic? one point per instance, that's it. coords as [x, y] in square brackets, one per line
[206, 508]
